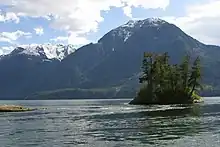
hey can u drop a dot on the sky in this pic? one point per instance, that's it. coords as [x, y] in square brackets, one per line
[78, 22]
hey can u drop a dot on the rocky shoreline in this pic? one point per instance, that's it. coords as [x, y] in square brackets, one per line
[13, 108]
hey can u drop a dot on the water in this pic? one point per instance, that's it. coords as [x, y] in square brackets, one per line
[110, 123]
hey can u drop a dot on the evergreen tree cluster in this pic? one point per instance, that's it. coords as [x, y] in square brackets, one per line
[166, 83]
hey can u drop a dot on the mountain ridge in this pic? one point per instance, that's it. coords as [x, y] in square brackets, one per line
[114, 61]
[47, 51]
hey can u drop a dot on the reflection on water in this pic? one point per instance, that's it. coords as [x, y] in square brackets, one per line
[147, 127]
[111, 123]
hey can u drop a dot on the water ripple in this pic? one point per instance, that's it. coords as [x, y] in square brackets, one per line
[111, 123]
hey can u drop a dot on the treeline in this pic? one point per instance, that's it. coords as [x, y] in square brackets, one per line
[165, 83]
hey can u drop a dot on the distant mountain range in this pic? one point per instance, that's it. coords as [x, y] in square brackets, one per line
[46, 51]
[107, 69]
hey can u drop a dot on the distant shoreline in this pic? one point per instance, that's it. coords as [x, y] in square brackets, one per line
[70, 99]
[130, 98]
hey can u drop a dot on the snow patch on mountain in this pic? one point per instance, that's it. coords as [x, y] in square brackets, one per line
[47, 50]
[126, 31]
[127, 36]
[154, 21]
[130, 24]
[32, 50]
[123, 33]
[145, 22]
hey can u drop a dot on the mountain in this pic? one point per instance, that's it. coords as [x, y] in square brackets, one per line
[117, 56]
[112, 65]
[47, 51]
[30, 68]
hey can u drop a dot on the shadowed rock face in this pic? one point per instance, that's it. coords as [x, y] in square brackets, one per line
[112, 62]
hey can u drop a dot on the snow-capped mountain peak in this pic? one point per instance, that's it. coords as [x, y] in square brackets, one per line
[48, 51]
[130, 23]
[140, 23]
[126, 31]
[154, 21]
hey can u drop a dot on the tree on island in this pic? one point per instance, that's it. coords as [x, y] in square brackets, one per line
[165, 83]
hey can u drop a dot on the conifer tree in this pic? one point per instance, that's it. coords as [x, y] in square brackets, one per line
[195, 77]
[167, 82]
[184, 69]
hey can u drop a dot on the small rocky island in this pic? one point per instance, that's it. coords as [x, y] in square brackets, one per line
[13, 108]
[164, 83]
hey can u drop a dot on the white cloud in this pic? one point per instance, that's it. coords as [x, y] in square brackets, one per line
[59, 39]
[9, 16]
[72, 38]
[146, 4]
[10, 37]
[4, 39]
[39, 31]
[77, 40]
[77, 17]
[128, 11]
[6, 50]
[201, 21]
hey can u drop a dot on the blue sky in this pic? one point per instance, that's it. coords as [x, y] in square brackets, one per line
[79, 22]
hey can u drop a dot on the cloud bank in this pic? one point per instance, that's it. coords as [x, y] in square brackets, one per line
[202, 21]
[76, 17]
[80, 17]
